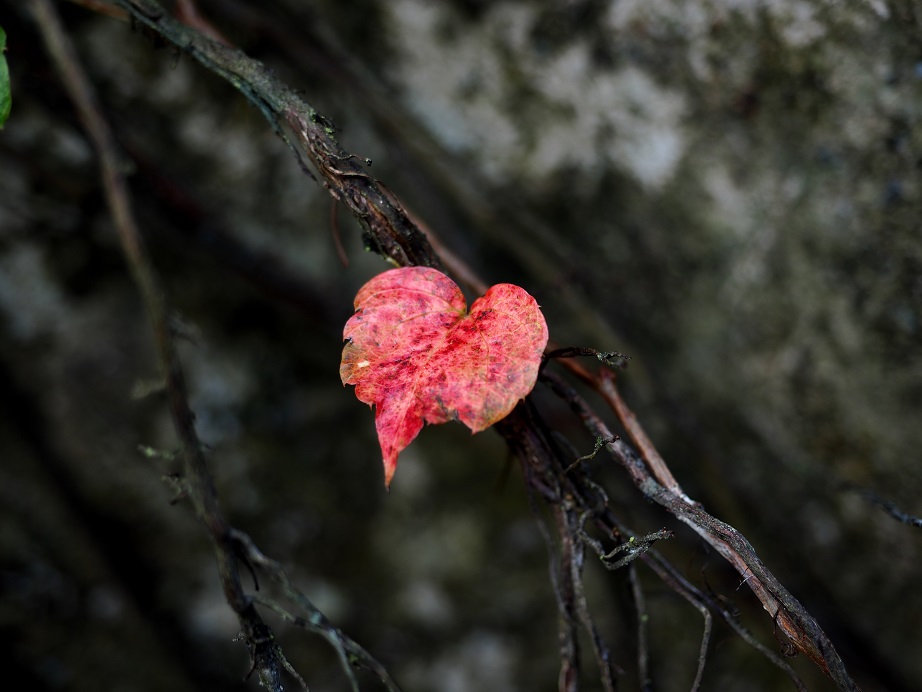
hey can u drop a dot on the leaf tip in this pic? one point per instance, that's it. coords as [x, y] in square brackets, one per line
[390, 468]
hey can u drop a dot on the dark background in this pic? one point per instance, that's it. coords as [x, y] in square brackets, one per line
[728, 192]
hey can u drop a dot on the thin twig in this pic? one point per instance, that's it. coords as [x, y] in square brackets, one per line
[267, 659]
[200, 484]
[577, 563]
[187, 11]
[613, 359]
[704, 603]
[669, 576]
[600, 442]
[350, 653]
[633, 548]
[568, 641]
[643, 652]
[387, 229]
[887, 506]
[793, 619]
[568, 571]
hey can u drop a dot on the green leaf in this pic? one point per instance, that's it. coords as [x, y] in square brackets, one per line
[6, 101]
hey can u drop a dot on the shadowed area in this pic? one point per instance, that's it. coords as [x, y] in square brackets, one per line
[727, 192]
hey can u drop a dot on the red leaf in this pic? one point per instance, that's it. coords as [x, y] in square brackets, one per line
[417, 355]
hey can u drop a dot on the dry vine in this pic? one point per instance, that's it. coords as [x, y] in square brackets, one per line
[230, 545]
[575, 500]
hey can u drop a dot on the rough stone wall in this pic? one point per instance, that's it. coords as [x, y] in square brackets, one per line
[727, 191]
[735, 187]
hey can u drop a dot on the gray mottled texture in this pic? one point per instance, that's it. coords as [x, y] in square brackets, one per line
[728, 191]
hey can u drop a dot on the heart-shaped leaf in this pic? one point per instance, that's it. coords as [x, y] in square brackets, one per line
[416, 354]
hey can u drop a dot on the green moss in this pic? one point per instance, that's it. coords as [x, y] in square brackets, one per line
[6, 101]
